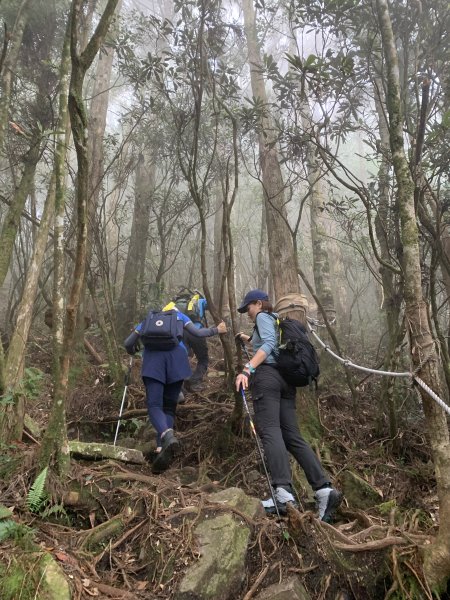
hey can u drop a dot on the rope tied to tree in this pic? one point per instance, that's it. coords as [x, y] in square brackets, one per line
[411, 374]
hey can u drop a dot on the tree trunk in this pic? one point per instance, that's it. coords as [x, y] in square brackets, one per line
[283, 264]
[127, 310]
[321, 261]
[218, 247]
[96, 132]
[423, 351]
[263, 266]
[9, 66]
[54, 448]
[386, 231]
[12, 218]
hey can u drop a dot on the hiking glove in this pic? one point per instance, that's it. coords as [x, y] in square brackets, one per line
[132, 343]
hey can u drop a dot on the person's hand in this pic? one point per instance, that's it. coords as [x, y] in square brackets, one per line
[241, 381]
[221, 327]
[241, 337]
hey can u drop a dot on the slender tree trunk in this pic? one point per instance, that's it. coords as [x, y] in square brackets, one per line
[55, 450]
[386, 232]
[9, 66]
[12, 218]
[127, 310]
[263, 265]
[423, 351]
[321, 261]
[218, 247]
[283, 265]
[96, 131]
[16, 351]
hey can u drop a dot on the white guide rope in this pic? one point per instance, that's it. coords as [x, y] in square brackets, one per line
[348, 363]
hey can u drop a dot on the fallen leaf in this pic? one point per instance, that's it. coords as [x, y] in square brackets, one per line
[141, 585]
[62, 556]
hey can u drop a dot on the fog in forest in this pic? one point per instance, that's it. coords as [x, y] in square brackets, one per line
[220, 146]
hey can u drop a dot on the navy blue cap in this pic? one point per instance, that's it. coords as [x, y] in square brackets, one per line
[252, 296]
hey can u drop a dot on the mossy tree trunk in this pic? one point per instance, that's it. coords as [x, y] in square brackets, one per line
[16, 350]
[423, 350]
[54, 449]
[10, 427]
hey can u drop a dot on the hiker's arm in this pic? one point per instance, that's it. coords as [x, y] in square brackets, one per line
[205, 331]
[132, 342]
[267, 333]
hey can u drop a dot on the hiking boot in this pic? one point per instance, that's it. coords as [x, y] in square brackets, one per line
[328, 500]
[170, 448]
[282, 497]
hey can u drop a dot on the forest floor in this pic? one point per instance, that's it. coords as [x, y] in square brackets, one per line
[148, 553]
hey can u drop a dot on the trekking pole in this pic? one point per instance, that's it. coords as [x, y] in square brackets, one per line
[260, 450]
[127, 383]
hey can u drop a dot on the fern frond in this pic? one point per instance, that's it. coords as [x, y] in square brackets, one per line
[7, 529]
[37, 495]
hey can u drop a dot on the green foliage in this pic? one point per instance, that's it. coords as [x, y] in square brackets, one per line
[58, 511]
[7, 399]
[21, 534]
[32, 382]
[385, 508]
[15, 583]
[30, 387]
[7, 529]
[9, 460]
[37, 496]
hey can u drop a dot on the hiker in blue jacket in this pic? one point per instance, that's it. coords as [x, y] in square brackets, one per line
[194, 305]
[275, 414]
[163, 372]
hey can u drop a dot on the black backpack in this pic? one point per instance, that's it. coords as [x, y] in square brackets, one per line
[161, 330]
[297, 358]
[187, 303]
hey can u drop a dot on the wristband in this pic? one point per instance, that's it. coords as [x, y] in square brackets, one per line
[250, 368]
[246, 374]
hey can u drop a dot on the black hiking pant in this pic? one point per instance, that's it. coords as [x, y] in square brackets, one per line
[200, 349]
[276, 424]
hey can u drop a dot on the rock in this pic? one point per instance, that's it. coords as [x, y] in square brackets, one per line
[291, 589]
[93, 450]
[146, 433]
[358, 492]
[33, 573]
[236, 498]
[54, 582]
[147, 449]
[31, 426]
[127, 442]
[253, 476]
[213, 374]
[187, 475]
[220, 571]
[223, 543]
